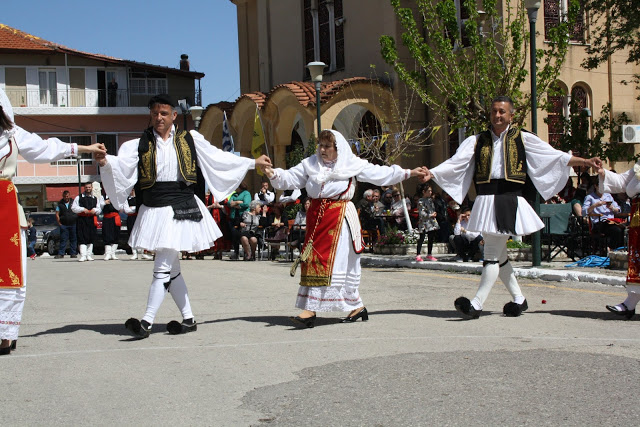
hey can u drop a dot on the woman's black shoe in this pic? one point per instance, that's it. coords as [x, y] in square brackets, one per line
[362, 314]
[626, 312]
[14, 344]
[5, 350]
[307, 322]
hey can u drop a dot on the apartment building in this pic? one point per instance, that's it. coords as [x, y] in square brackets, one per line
[79, 97]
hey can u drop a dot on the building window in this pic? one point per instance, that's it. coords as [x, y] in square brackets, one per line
[555, 125]
[579, 99]
[462, 16]
[555, 11]
[324, 33]
[48, 88]
[144, 82]
[77, 139]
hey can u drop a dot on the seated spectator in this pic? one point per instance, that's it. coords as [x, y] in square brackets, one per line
[377, 205]
[467, 243]
[299, 229]
[387, 200]
[567, 193]
[252, 221]
[601, 209]
[278, 230]
[577, 201]
[367, 198]
[441, 216]
[264, 195]
[397, 209]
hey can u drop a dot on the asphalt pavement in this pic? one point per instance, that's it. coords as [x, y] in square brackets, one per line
[566, 361]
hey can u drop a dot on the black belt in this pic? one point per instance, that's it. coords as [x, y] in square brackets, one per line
[499, 186]
[178, 195]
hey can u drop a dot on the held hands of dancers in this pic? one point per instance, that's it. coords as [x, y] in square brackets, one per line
[268, 171]
[263, 161]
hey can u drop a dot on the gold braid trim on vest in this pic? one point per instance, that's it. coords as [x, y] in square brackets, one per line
[147, 166]
[514, 157]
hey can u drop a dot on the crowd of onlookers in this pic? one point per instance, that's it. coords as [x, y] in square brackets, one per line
[601, 214]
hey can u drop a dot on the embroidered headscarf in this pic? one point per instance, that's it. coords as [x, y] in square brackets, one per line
[6, 134]
[347, 164]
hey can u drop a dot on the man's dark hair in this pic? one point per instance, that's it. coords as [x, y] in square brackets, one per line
[466, 208]
[503, 98]
[163, 99]
[5, 121]
[65, 192]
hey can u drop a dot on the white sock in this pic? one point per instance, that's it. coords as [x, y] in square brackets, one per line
[509, 279]
[178, 290]
[489, 276]
[157, 291]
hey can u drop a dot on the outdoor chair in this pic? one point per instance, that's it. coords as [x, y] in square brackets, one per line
[556, 234]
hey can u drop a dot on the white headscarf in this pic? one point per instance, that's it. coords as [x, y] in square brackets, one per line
[6, 134]
[347, 164]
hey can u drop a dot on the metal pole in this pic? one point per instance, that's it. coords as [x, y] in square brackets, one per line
[318, 107]
[536, 250]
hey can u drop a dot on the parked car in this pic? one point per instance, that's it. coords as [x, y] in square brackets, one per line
[52, 238]
[44, 223]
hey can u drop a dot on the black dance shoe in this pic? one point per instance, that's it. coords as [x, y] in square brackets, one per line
[626, 312]
[362, 314]
[305, 322]
[5, 351]
[139, 328]
[14, 344]
[512, 309]
[464, 307]
[188, 325]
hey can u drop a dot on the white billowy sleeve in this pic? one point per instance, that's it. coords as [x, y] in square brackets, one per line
[75, 206]
[120, 173]
[223, 171]
[547, 167]
[290, 179]
[37, 150]
[383, 175]
[456, 174]
[620, 182]
[128, 209]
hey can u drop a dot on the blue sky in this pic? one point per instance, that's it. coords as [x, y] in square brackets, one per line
[156, 32]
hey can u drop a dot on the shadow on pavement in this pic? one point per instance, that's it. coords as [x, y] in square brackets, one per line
[117, 329]
[275, 321]
[598, 315]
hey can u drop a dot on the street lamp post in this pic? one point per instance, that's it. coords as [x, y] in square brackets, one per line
[532, 12]
[316, 69]
[196, 115]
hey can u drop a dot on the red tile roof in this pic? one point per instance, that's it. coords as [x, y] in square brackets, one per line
[13, 40]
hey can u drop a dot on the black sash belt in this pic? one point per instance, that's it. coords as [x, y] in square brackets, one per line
[505, 202]
[178, 195]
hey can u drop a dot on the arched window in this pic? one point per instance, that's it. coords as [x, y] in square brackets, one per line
[324, 33]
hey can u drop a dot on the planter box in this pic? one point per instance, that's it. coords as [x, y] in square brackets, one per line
[519, 254]
[390, 249]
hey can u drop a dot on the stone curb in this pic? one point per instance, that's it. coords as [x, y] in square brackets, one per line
[530, 273]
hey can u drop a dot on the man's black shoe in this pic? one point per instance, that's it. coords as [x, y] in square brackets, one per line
[59, 256]
[464, 307]
[74, 256]
[188, 325]
[139, 328]
[512, 309]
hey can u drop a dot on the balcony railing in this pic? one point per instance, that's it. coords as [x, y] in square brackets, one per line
[75, 98]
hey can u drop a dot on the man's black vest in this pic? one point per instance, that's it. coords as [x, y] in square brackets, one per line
[66, 215]
[187, 162]
[87, 202]
[515, 161]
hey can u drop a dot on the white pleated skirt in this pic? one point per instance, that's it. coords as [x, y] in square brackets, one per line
[483, 217]
[343, 294]
[156, 229]
[12, 300]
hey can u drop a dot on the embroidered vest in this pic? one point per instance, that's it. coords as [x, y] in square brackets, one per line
[185, 149]
[515, 162]
[187, 162]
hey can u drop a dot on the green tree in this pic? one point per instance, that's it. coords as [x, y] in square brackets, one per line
[457, 70]
[606, 135]
[615, 27]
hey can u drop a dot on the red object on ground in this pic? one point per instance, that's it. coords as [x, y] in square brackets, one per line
[544, 301]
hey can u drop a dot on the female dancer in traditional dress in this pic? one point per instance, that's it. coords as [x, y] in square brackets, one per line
[13, 275]
[629, 182]
[330, 257]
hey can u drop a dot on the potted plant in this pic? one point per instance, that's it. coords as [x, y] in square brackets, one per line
[394, 242]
